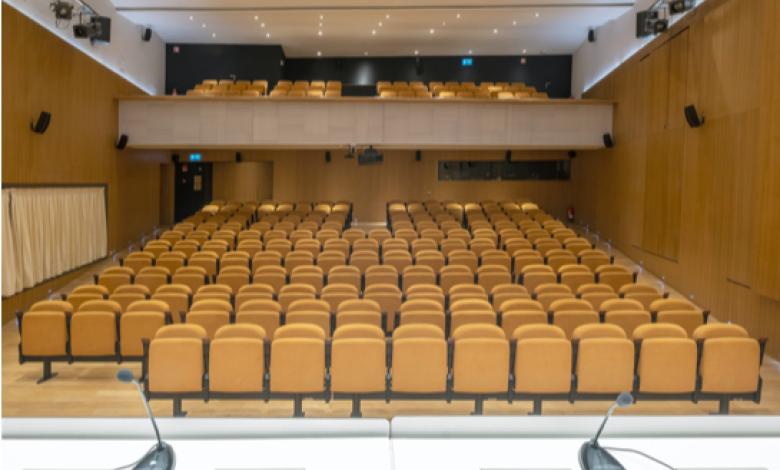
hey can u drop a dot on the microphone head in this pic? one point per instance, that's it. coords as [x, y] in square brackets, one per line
[125, 376]
[625, 399]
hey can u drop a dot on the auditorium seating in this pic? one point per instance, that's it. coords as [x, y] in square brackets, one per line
[350, 301]
[465, 90]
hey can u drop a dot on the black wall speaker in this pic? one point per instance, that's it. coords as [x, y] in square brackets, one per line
[418, 65]
[608, 141]
[238, 157]
[693, 117]
[508, 156]
[418, 156]
[146, 35]
[175, 158]
[42, 124]
[591, 35]
[327, 157]
[572, 154]
[122, 142]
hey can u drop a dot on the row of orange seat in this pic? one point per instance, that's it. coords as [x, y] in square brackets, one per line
[538, 363]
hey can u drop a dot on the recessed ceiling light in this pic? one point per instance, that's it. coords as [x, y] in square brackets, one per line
[387, 17]
[457, 16]
[320, 25]
[319, 53]
[366, 53]
[523, 51]
[320, 33]
[204, 25]
[190, 18]
[322, 17]
[262, 25]
[537, 15]
[268, 35]
[255, 17]
[495, 31]
[373, 31]
[416, 52]
[431, 31]
[213, 35]
[469, 52]
[514, 23]
[380, 23]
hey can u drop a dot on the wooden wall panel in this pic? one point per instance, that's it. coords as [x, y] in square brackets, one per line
[663, 180]
[727, 170]
[243, 181]
[43, 73]
[167, 193]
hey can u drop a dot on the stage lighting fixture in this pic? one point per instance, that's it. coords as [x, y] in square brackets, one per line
[62, 10]
[680, 6]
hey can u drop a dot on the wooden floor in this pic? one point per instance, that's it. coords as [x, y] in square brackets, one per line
[91, 389]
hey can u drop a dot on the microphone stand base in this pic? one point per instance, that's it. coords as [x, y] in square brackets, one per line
[159, 458]
[593, 457]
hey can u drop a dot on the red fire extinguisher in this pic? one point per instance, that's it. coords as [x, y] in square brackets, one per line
[570, 213]
[175, 92]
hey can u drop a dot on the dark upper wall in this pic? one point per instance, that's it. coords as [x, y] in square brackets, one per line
[538, 71]
[197, 62]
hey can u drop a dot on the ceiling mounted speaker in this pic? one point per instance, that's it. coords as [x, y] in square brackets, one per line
[418, 156]
[42, 124]
[693, 117]
[608, 142]
[146, 34]
[238, 157]
[592, 35]
[122, 142]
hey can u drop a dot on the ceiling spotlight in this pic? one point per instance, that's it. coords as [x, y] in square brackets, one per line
[203, 25]
[268, 35]
[373, 31]
[213, 35]
[322, 17]
[319, 53]
[495, 31]
[387, 17]
[457, 16]
[416, 52]
[320, 25]
[320, 33]
[514, 23]
[431, 31]
[255, 17]
[190, 18]
[443, 23]
[366, 53]
[469, 52]
[523, 51]
[380, 23]
[537, 15]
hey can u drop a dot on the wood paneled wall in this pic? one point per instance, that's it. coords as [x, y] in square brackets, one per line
[43, 73]
[243, 181]
[304, 175]
[698, 206]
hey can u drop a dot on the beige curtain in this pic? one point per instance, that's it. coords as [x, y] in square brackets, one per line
[50, 231]
[8, 256]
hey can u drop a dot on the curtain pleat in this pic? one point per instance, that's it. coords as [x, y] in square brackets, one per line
[49, 231]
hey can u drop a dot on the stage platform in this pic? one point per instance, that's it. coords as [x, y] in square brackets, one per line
[404, 443]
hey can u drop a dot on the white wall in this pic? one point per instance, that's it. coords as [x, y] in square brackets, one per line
[616, 41]
[141, 63]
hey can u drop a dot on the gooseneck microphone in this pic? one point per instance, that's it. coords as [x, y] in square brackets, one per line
[594, 457]
[159, 457]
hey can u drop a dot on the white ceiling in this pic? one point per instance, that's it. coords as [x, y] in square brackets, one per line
[347, 25]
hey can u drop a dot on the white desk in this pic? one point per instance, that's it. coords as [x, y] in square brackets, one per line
[542, 442]
[468, 443]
